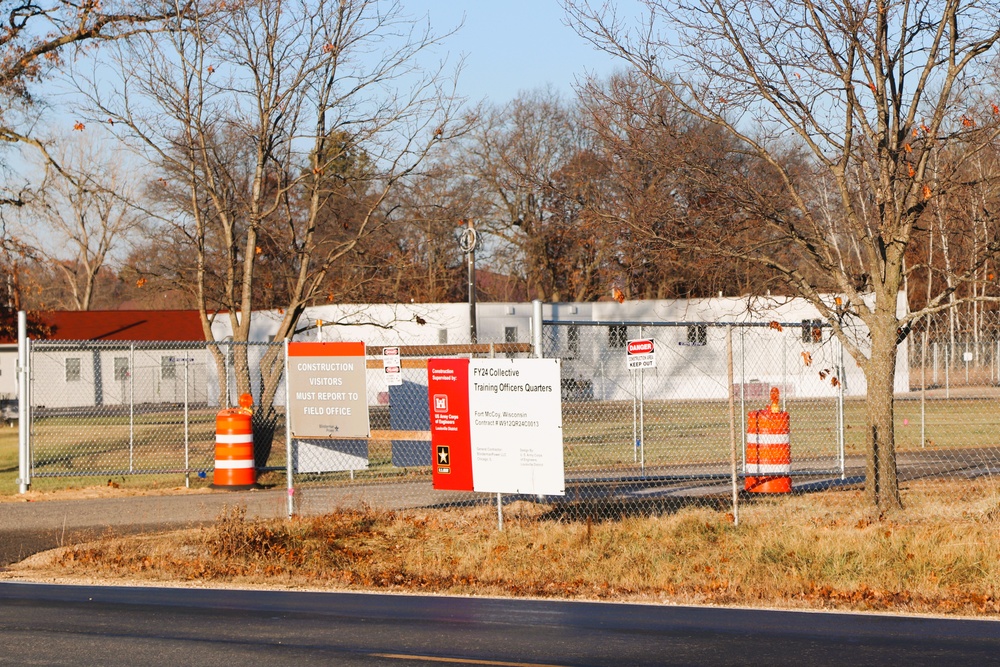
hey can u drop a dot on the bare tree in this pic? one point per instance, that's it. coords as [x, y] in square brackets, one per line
[514, 155]
[82, 214]
[34, 44]
[663, 164]
[863, 94]
[293, 121]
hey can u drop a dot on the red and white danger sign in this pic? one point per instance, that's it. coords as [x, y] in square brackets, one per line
[392, 366]
[640, 354]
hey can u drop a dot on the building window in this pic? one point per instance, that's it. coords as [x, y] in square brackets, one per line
[168, 368]
[573, 340]
[442, 336]
[812, 331]
[617, 335]
[73, 369]
[697, 335]
[121, 368]
[510, 336]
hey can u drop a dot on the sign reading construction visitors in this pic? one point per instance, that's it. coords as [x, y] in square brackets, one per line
[496, 425]
[640, 354]
[327, 395]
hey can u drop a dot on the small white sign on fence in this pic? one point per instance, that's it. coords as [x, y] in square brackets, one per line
[640, 354]
[392, 366]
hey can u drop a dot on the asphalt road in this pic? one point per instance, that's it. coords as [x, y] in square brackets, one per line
[78, 625]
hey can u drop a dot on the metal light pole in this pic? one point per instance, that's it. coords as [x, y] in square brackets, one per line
[468, 244]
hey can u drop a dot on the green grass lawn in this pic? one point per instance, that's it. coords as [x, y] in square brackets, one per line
[8, 455]
[596, 434]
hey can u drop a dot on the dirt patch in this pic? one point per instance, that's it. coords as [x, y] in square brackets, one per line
[105, 491]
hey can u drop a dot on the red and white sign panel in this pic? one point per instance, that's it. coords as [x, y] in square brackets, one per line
[640, 354]
[640, 347]
[451, 445]
[496, 425]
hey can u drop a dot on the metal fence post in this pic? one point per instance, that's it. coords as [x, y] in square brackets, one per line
[288, 443]
[536, 329]
[23, 417]
[732, 424]
[743, 395]
[841, 373]
[635, 418]
[131, 407]
[187, 438]
[642, 417]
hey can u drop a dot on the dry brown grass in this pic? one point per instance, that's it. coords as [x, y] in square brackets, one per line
[941, 555]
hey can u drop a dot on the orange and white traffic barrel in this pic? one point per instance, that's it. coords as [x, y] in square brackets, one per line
[768, 450]
[234, 462]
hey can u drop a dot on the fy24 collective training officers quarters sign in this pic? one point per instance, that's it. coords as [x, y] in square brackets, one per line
[327, 394]
[496, 425]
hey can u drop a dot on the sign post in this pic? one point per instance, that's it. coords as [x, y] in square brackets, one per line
[640, 354]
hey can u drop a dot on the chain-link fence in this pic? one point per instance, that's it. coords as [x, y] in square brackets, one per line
[946, 354]
[667, 435]
[116, 409]
[635, 439]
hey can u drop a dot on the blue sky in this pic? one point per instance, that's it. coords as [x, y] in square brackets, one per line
[512, 45]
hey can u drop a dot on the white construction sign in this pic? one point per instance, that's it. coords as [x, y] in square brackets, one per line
[640, 354]
[392, 366]
[327, 394]
[516, 426]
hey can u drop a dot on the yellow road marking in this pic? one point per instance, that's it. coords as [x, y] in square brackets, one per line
[462, 661]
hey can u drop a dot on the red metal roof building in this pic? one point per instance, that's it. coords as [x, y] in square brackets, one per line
[145, 325]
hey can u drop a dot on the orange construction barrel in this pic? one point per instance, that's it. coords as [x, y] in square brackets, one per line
[768, 451]
[234, 462]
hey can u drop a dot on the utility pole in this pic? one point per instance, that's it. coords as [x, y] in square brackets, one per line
[468, 244]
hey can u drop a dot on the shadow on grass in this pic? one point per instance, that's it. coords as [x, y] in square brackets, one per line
[617, 509]
[618, 501]
[604, 508]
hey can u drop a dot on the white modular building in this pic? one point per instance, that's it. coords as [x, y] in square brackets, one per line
[776, 342]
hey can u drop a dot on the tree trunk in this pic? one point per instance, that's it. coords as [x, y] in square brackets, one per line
[881, 481]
